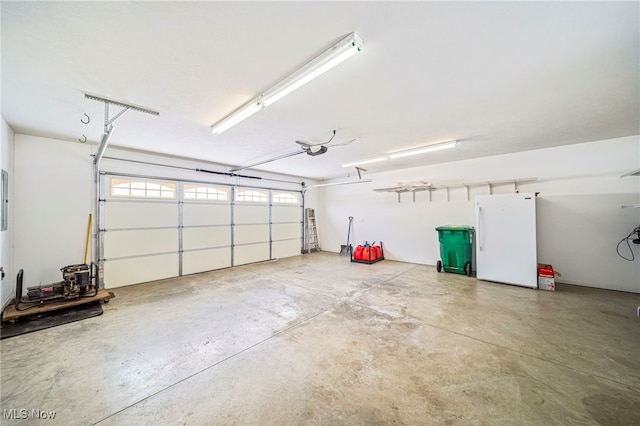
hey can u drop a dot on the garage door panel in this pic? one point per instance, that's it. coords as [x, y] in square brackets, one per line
[137, 242]
[251, 214]
[286, 214]
[285, 231]
[140, 215]
[206, 260]
[206, 214]
[206, 237]
[288, 248]
[123, 272]
[243, 234]
[213, 232]
[250, 253]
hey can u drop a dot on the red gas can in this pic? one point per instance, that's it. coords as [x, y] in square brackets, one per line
[367, 254]
[357, 253]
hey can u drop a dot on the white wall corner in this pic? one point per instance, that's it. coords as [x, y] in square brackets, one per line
[7, 284]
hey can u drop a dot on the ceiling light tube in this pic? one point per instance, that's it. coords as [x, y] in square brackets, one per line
[321, 185]
[339, 52]
[369, 161]
[236, 117]
[423, 150]
[400, 154]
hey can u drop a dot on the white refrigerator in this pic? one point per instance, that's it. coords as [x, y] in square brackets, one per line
[506, 250]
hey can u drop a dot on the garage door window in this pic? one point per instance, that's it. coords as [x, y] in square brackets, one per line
[128, 188]
[205, 192]
[285, 198]
[252, 195]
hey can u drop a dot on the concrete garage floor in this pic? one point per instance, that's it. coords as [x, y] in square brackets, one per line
[316, 339]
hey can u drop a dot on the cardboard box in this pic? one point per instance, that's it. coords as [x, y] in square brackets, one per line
[547, 277]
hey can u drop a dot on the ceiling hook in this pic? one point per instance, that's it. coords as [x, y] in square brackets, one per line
[84, 138]
[88, 119]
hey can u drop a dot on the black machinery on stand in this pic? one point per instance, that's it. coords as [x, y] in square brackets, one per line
[78, 296]
[78, 281]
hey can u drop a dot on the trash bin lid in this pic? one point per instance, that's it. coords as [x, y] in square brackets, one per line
[467, 228]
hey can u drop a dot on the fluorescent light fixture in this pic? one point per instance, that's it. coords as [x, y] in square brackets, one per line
[321, 185]
[235, 117]
[400, 154]
[338, 53]
[369, 161]
[324, 61]
[423, 150]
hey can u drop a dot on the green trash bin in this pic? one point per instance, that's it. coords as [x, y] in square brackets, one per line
[455, 249]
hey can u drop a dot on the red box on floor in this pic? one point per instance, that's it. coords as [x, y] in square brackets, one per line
[546, 277]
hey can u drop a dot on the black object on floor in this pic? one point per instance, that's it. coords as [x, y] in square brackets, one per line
[50, 319]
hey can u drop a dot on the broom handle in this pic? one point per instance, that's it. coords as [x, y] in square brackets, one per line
[86, 242]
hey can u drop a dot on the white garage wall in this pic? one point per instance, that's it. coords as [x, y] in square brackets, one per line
[52, 182]
[8, 283]
[53, 198]
[580, 219]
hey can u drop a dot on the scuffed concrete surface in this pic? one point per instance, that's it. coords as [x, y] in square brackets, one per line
[316, 339]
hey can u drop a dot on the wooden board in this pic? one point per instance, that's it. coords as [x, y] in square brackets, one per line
[10, 313]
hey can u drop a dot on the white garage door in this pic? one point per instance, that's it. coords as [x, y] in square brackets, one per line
[206, 228]
[286, 224]
[156, 229]
[251, 226]
[140, 231]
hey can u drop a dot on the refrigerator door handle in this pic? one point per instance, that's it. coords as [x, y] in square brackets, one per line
[480, 234]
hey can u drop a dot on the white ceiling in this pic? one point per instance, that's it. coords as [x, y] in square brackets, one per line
[498, 77]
